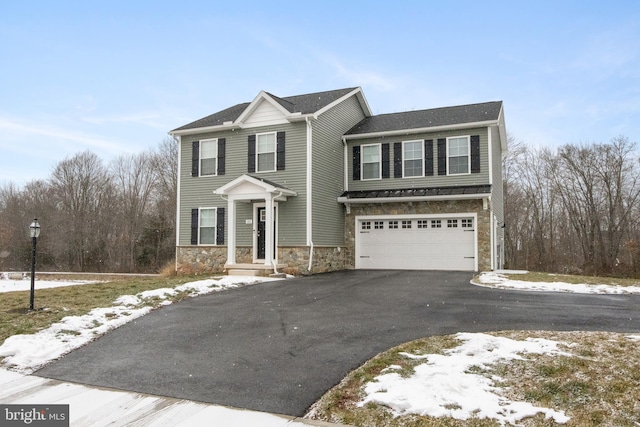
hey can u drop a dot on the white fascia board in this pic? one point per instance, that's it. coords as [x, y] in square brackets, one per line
[421, 130]
[204, 129]
[358, 92]
[347, 200]
[502, 129]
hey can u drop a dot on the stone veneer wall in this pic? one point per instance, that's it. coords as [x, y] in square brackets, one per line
[411, 208]
[211, 259]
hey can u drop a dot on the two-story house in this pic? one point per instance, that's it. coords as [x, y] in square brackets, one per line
[316, 182]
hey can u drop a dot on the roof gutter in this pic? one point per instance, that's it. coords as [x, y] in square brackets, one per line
[421, 130]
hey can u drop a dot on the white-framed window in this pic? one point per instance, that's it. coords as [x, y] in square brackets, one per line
[266, 152]
[393, 224]
[452, 223]
[412, 159]
[423, 223]
[458, 155]
[406, 223]
[207, 226]
[467, 223]
[378, 225]
[366, 225]
[208, 157]
[436, 223]
[371, 161]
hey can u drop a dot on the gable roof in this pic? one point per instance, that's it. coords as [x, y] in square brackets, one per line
[456, 116]
[297, 105]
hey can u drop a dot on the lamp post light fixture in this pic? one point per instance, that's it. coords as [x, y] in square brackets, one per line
[34, 228]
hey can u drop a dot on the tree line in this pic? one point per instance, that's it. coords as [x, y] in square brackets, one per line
[97, 217]
[573, 209]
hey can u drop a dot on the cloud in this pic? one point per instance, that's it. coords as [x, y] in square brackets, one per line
[50, 138]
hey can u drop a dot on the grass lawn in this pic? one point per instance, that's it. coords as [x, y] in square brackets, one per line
[533, 276]
[598, 386]
[53, 304]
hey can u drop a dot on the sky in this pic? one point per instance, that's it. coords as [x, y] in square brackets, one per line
[114, 77]
[442, 386]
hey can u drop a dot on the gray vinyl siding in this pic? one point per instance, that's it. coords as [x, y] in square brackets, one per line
[497, 195]
[328, 171]
[427, 181]
[198, 191]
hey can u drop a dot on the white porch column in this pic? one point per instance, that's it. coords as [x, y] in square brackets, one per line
[268, 229]
[231, 231]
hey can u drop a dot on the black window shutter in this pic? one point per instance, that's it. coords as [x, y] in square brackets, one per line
[280, 151]
[251, 167]
[442, 156]
[397, 159]
[220, 226]
[356, 163]
[385, 160]
[194, 226]
[222, 146]
[475, 153]
[195, 158]
[428, 157]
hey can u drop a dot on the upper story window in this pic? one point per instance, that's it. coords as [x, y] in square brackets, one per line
[208, 157]
[412, 158]
[458, 155]
[266, 152]
[371, 161]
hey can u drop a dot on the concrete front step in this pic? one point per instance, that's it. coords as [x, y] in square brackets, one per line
[253, 270]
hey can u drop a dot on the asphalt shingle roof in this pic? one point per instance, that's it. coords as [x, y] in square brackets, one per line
[304, 104]
[444, 116]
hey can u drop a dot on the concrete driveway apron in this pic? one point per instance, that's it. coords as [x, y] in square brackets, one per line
[278, 346]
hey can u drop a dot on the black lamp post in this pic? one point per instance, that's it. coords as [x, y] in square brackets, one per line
[35, 232]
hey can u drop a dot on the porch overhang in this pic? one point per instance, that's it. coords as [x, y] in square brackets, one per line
[247, 187]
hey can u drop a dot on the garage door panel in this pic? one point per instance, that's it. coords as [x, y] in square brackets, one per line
[416, 244]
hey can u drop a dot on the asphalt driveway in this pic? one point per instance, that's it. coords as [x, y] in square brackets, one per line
[278, 346]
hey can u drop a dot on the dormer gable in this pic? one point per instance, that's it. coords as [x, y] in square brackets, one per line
[264, 110]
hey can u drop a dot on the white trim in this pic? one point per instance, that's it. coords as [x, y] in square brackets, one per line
[362, 178]
[179, 142]
[204, 129]
[421, 142]
[275, 151]
[468, 155]
[490, 148]
[473, 215]
[201, 142]
[361, 99]
[309, 200]
[267, 241]
[256, 102]
[215, 227]
[422, 130]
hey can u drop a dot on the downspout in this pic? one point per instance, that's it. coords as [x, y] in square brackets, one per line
[178, 140]
[346, 172]
[309, 192]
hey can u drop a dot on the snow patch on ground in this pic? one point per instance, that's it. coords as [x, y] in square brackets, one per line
[497, 280]
[27, 353]
[443, 385]
[9, 285]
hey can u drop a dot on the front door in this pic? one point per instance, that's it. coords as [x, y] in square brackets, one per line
[261, 238]
[261, 232]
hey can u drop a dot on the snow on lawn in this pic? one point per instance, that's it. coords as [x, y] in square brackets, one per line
[442, 386]
[10, 285]
[497, 280]
[27, 353]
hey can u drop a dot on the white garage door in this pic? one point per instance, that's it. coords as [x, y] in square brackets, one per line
[421, 243]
